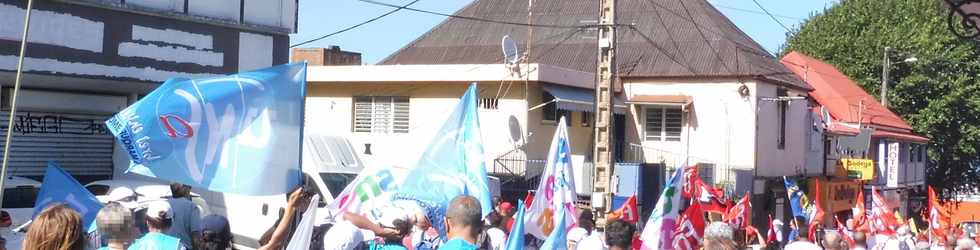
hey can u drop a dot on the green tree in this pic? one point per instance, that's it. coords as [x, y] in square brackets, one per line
[939, 95]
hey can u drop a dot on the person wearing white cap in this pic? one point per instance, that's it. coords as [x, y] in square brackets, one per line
[159, 217]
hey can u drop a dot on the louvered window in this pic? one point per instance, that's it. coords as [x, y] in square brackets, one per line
[381, 114]
[663, 123]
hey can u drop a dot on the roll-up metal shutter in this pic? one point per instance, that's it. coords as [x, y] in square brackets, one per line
[79, 143]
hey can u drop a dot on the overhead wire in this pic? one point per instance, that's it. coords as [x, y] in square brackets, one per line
[705, 38]
[479, 19]
[398, 8]
[771, 15]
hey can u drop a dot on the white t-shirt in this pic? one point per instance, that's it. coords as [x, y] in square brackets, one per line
[802, 245]
[576, 235]
[594, 241]
[343, 236]
[497, 238]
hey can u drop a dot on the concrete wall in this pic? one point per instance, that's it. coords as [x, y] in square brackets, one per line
[580, 137]
[721, 127]
[329, 112]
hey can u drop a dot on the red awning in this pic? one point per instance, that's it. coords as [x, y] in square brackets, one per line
[910, 137]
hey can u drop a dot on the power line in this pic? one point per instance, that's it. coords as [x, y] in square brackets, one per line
[398, 8]
[480, 19]
[705, 38]
[655, 45]
[771, 15]
[756, 12]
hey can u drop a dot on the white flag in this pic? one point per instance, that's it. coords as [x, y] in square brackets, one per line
[659, 230]
[304, 230]
[556, 190]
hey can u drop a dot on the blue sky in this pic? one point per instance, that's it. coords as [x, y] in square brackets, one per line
[382, 37]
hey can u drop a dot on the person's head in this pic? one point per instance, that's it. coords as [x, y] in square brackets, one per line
[506, 209]
[619, 235]
[719, 230]
[57, 227]
[586, 220]
[832, 241]
[463, 218]
[159, 216]
[495, 219]
[116, 223]
[965, 244]
[399, 220]
[215, 233]
[178, 190]
[860, 239]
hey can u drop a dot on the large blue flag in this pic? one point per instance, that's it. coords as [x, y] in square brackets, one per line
[239, 133]
[796, 197]
[515, 241]
[452, 165]
[60, 187]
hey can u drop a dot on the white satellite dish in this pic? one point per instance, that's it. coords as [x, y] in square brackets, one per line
[511, 54]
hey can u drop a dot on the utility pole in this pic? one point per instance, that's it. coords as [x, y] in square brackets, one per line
[13, 95]
[602, 157]
[884, 77]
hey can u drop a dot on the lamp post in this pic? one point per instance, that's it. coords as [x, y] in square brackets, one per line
[884, 73]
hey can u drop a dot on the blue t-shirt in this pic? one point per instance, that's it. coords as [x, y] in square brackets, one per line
[457, 244]
[157, 241]
[393, 246]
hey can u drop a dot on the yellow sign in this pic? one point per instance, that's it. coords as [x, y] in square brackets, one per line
[859, 169]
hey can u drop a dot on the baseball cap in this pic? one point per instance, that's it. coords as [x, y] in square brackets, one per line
[506, 206]
[159, 210]
[215, 223]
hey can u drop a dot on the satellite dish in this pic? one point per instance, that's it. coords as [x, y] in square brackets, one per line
[515, 129]
[511, 54]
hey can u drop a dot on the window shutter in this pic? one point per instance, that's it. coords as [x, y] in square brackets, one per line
[362, 114]
[672, 124]
[654, 123]
[401, 114]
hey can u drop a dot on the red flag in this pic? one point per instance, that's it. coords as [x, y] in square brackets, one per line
[817, 216]
[692, 183]
[882, 220]
[628, 212]
[771, 235]
[938, 217]
[714, 200]
[690, 229]
[842, 230]
[858, 212]
[528, 199]
[738, 215]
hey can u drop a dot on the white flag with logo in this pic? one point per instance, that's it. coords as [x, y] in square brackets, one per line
[556, 181]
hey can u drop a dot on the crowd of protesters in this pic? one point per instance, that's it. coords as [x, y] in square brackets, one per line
[401, 225]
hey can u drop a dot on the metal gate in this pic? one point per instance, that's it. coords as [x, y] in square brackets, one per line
[80, 143]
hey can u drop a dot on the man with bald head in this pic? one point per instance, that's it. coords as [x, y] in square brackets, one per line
[463, 223]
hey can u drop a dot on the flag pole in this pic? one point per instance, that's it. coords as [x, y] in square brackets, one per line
[13, 96]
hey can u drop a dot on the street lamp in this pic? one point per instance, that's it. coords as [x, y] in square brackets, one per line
[884, 73]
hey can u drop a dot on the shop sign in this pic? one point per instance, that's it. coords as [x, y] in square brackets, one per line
[858, 169]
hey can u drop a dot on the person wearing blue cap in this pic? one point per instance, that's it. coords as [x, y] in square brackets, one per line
[215, 233]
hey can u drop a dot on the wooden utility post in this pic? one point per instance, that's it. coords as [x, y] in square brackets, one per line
[602, 155]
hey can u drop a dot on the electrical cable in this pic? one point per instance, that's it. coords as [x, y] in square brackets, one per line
[398, 8]
[480, 19]
[771, 15]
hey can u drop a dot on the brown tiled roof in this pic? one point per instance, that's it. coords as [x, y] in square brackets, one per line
[659, 39]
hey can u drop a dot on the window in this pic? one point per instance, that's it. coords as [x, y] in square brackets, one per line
[663, 123]
[550, 111]
[98, 189]
[586, 119]
[381, 114]
[489, 103]
[781, 143]
[19, 197]
[707, 173]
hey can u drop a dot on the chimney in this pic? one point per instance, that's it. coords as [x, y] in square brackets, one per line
[331, 56]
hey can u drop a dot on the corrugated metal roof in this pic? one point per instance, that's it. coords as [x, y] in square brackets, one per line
[660, 38]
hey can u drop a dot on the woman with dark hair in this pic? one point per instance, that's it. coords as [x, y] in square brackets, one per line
[57, 227]
[159, 217]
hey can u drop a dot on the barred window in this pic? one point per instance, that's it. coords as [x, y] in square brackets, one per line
[381, 114]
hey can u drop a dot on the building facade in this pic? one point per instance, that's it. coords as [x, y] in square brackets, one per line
[88, 59]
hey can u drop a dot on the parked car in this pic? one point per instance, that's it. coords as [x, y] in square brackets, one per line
[19, 194]
[145, 192]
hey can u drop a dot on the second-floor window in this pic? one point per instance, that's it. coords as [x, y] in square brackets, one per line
[663, 123]
[381, 114]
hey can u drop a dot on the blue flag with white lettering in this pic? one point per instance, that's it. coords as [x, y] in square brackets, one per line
[515, 241]
[452, 165]
[60, 187]
[796, 197]
[238, 133]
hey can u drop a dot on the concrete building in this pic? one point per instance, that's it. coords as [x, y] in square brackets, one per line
[877, 135]
[326, 56]
[392, 112]
[88, 59]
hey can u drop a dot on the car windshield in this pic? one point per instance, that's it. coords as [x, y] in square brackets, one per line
[336, 182]
[19, 197]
